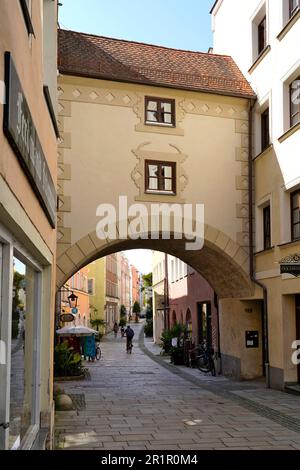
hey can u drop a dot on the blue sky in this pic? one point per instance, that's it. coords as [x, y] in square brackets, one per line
[182, 24]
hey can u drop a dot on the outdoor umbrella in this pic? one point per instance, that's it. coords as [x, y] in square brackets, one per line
[76, 330]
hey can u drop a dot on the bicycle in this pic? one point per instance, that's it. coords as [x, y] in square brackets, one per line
[205, 360]
[98, 353]
[129, 346]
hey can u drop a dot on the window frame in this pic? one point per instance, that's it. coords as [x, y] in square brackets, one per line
[260, 47]
[292, 116]
[160, 178]
[27, 16]
[265, 129]
[293, 11]
[267, 227]
[160, 112]
[293, 224]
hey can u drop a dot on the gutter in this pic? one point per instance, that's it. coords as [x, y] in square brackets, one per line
[251, 248]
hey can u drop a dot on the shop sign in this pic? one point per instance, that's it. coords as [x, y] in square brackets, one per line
[291, 265]
[22, 135]
[66, 317]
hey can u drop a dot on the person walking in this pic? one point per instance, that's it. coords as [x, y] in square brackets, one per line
[116, 329]
[129, 336]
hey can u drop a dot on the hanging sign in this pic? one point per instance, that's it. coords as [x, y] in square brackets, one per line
[74, 310]
[291, 265]
[66, 317]
[22, 135]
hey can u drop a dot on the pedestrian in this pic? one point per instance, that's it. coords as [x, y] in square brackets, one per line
[116, 329]
[129, 336]
[122, 331]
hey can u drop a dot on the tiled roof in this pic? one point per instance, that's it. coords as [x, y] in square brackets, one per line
[127, 61]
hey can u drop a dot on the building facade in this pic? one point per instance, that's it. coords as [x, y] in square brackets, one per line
[96, 289]
[124, 282]
[135, 285]
[28, 174]
[269, 57]
[112, 304]
[77, 284]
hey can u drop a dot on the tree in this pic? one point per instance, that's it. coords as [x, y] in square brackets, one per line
[136, 309]
[97, 322]
[147, 278]
[123, 312]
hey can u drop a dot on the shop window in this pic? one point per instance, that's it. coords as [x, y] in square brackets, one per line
[23, 360]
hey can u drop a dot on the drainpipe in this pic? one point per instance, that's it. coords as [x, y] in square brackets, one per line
[251, 248]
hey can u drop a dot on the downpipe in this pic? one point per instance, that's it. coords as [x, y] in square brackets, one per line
[251, 247]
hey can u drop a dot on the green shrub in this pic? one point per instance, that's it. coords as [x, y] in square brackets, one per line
[166, 339]
[66, 361]
[122, 322]
[148, 328]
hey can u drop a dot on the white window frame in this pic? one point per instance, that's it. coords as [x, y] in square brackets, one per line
[256, 19]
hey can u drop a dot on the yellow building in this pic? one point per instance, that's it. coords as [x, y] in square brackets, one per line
[96, 289]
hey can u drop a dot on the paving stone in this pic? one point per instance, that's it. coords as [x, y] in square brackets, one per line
[142, 402]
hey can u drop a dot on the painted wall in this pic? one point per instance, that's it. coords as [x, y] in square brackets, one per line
[277, 170]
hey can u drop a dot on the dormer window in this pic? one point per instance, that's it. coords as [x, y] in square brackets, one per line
[159, 111]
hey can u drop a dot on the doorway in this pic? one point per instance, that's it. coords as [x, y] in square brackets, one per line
[204, 323]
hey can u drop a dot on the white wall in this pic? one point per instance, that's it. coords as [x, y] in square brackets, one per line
[232, 30]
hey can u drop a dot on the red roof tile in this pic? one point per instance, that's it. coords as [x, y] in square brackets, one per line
[115, 59]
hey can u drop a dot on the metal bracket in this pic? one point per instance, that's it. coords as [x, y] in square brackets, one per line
[4, 425]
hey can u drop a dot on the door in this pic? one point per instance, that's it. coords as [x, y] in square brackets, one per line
[204, 323]
[298, 328]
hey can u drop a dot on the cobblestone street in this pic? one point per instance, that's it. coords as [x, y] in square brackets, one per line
[140, 401]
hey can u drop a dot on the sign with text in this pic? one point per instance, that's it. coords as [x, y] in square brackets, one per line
[66, 317]
[20, 130]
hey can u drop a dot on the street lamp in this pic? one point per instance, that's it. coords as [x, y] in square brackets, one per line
[72, 299]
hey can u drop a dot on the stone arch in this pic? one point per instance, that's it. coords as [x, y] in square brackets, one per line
[221, 261]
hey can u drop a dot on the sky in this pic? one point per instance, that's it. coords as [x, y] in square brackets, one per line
[181, 24]
[141, 259]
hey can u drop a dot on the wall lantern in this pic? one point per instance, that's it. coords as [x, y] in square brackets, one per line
[73, 300]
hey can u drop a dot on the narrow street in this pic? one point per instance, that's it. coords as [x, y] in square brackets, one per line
[140, 401]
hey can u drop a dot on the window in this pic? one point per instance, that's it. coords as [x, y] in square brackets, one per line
[295, 101]
[91, 286]
[295, 215]
[159, 111]
[265, 131]
[267, 227]
[26, 9]
[294, 7]
[262, 35]
[160, 177]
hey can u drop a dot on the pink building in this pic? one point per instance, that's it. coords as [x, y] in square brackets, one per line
[192, 302]
[124, 282]
[135, 285]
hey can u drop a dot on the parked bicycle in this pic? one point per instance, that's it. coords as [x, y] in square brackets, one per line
[98, 353]
[205, 359]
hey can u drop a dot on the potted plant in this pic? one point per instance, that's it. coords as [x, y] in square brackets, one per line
[177, 355]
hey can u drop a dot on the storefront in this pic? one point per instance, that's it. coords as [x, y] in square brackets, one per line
[28, 201]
